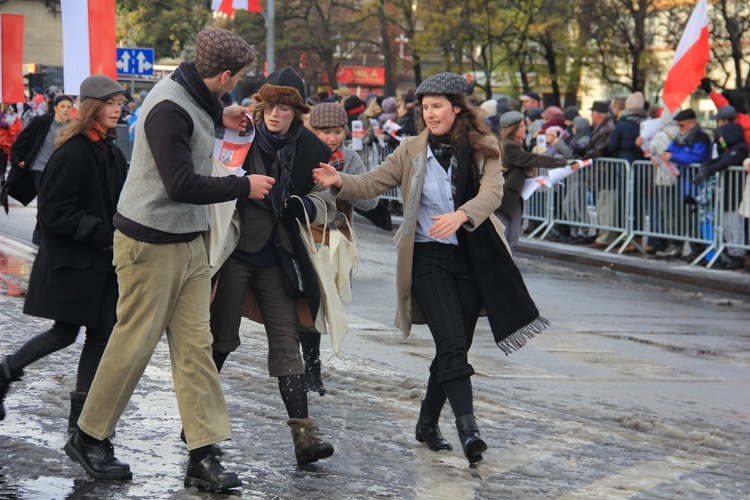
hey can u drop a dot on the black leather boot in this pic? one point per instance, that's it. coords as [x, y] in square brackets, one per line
[6, 377]
[97, 460]
[472, 444]
[313, 378]
[427, 431]
[77, 400]
[210, 475]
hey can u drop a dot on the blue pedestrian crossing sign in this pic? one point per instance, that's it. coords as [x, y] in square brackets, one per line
[135, 61]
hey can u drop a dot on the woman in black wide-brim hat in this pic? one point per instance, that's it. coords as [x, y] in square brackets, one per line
[453, 260]
[256, 277]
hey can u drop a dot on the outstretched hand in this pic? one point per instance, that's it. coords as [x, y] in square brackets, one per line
[327, 176]
[260, 186]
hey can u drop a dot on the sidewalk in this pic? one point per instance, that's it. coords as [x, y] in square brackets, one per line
[672, 272]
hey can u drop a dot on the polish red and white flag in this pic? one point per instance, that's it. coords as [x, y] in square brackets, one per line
[89, 41]
[229, 6]
[11, 58]
[690, 59]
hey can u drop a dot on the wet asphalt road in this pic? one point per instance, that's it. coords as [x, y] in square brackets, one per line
[636, 391]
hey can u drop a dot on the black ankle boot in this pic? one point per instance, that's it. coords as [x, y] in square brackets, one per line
[77, 400]
[472, 444]
[6, 377]
[98, 460]
[209, 475]
[427, 431]
[313, 378]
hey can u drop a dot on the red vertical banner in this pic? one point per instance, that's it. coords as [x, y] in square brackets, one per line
[102, 37]
[11, 59]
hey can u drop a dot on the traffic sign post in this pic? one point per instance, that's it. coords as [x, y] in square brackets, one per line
[135, 61]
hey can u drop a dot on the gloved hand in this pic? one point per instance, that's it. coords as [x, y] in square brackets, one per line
[706, 85]
[103, 237]
[338, 220]
[297, 206]
[700, 177]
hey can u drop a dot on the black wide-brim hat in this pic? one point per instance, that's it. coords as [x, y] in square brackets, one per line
[284, 87]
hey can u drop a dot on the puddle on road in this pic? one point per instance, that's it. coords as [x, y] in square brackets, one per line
[14, 275]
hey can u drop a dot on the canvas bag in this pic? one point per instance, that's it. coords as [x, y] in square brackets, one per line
[331, 318]
[224, 232]
[344, 255]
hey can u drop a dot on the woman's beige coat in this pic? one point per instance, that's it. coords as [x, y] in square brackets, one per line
[405, 167]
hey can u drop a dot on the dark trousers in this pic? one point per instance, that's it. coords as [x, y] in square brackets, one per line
[36, 237]
[3, 165]
[445, 290]
[60, 336]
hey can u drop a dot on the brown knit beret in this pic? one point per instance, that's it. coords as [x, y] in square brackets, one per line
[284, 86]
[327, 115]
[218, 50]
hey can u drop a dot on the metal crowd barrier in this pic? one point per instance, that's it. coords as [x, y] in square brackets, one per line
[373, 155]
[733, 207]
[537, 209]
[675, 210]
[593, 198]
[634, 202]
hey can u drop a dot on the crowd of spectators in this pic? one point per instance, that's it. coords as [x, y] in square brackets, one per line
[610, 129]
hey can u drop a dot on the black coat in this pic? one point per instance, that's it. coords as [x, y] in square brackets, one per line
[20, 183]
[309, 151]
[622, 141]
[31, 138]
[72, 275]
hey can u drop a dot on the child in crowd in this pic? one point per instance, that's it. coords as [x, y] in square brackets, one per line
[330, 124]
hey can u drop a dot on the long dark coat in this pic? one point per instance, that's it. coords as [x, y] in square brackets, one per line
[73, 278]
[20, 184]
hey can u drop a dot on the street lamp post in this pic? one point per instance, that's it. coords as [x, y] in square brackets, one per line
[270, 16]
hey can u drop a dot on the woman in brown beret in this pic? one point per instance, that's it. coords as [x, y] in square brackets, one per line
[453, 260]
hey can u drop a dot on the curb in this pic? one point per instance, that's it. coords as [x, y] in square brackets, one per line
[730, 282]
